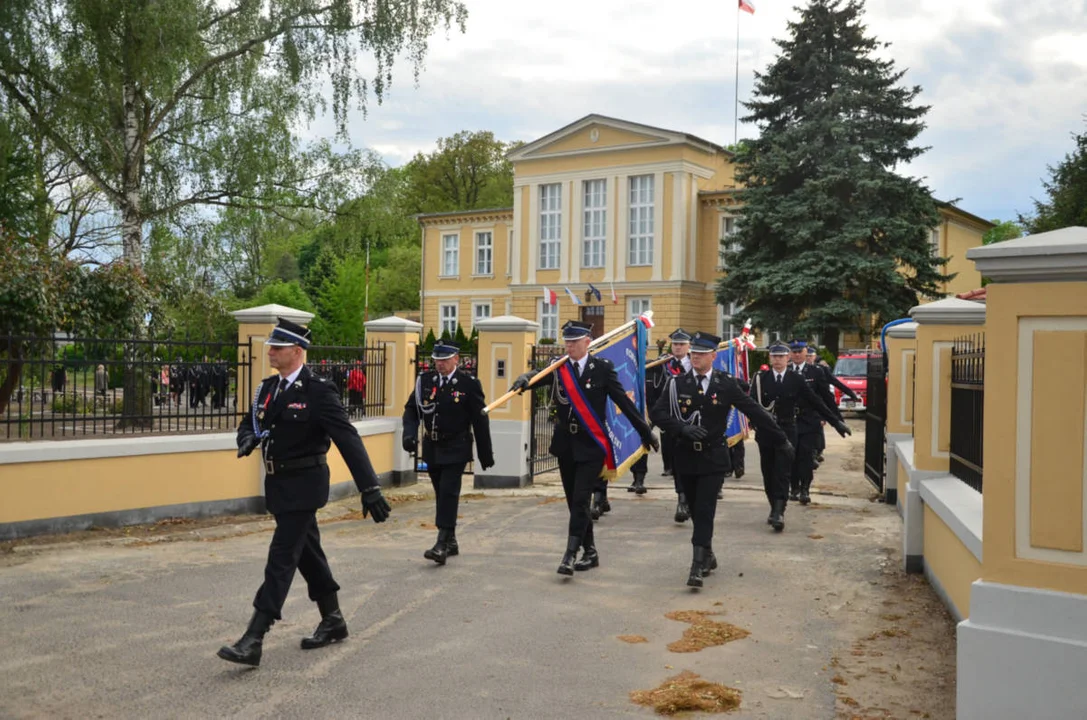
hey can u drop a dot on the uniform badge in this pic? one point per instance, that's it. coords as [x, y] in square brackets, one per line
[297, 406]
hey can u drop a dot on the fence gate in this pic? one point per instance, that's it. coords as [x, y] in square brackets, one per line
[539, 459]
[424, 364]
[875, 423]
[967, 409]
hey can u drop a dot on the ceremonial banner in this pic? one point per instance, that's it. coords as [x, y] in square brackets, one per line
[627, 352]
[733, 360]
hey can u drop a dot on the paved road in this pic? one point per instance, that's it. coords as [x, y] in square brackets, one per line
[102, 630]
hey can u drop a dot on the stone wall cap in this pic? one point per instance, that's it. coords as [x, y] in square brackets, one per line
[1054, 256]
[393, 324]
[507, 323]
[905, 330]
[949, 311]
[271, 314]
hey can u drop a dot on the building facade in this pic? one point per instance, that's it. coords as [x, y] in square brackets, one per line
[635, 212]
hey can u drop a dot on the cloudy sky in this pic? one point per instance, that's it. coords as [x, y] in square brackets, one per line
[1006, 79]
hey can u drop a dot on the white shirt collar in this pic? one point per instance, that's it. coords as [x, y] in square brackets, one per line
[450, 375]
[293, 376]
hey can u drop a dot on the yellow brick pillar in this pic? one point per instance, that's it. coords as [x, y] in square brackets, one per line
[1024, 647]
[938, 325]
[505, 351]
[255, 324]
[400, 338]
[901, 349]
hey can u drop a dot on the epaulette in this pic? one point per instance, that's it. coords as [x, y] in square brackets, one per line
[318, 378]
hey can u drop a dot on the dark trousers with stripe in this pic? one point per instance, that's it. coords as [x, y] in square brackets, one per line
[296, 545]
[579, 479]
[701, 492]
[804, 462]
[446, 480]
[776, 468]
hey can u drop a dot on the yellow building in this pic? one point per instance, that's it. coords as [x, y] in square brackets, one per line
[638, 212]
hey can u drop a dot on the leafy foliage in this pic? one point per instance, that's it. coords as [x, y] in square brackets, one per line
[467, 171]
[829, 234]
[1006, 230]
[1066, 189]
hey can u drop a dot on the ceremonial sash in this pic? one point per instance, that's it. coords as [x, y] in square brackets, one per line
[579, 405]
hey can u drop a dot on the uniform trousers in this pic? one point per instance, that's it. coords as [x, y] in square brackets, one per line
[701, 492]
[804, 462]
[821, 440]
[776, 468]
[668, 449]
[296, 545]
[579, 479]
[737, 453]
[446, 481]
[642, 466]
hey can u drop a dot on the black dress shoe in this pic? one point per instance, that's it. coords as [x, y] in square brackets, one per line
[589, 559]
[247, 650]
[667, 472]
[594, 508]
[566, 567]
[794, 495]
[738, 472]
[777, 516]
[451, 546]
[694, 579]
[440, 551]
[605, 506]
[332, 628]
[711, 562]
[683, 513]
[639, 483]
[805, 498]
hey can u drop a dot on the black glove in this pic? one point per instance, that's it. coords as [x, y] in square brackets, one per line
[651, 443]
[409, 444]
[374, 503]
[248, 445]
[788, 451]
[842, 429]
[522, 381]
[486, 462]
[693, 432]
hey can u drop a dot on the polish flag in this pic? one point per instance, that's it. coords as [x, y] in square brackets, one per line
[550, 297]
[647, 321]
[614, 300]
[747, 7]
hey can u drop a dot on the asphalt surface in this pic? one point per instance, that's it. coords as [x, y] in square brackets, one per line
[131, 630]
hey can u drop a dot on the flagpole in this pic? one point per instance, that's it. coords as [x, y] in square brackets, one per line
[736, 94]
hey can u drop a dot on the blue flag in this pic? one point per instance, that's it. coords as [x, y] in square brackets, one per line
[627, 352]
[729, 360]
[595, 292]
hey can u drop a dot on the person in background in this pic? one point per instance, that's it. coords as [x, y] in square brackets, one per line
[101, 381]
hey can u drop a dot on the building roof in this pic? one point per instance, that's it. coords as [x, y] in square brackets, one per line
[958, 210]
[520, 152]
[975, 295]
[422, 218]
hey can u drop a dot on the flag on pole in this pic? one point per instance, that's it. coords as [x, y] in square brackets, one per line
[733, 360]
[550, 297]
[747, 7]
[573, 298]
[614, 300]
[627, 353]
[647, 321]
[594, 291]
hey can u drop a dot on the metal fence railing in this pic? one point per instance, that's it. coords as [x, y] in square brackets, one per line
[539, 459]
[968, 409]
[65, 388]
[358, 373]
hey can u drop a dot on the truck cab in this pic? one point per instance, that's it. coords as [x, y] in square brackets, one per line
[852, 370]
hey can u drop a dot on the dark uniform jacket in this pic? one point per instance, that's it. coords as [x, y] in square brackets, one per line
[788, 401]
[572, 441]
[449, 415]
[846, 390]
[301, 422]
[810, 418]
[682, 404]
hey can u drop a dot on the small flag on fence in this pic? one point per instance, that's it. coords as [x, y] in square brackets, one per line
[550, 297]
[594, 291]
[574, 298]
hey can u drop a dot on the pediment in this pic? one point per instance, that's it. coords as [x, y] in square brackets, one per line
[595, 133]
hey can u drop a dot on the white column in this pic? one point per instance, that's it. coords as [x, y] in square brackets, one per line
[611, 217]
[532, 246]
[564, 232]
[577, 202]
[692, 233]
[515, 250]
[622, 224]
[678, 241]
[658, 225]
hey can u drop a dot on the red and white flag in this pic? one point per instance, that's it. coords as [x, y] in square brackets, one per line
[550, 297]
[747, 7]
[647, 321]
[614, 300]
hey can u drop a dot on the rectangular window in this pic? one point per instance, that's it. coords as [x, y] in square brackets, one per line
[594, 223]
[484, 253]
[480, 311]
[448, 314]
[728, 228]
[638, 305]
[934, 241]
[450, 254]
[641, 220]
[731, 322]
[549, 321]
[550, 225]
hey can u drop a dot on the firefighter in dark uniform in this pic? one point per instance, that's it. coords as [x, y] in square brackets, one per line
[293, 418]
[679, 364]
[450, 403]
[809, 423]
[781, 391]
[694, 409]
[828, 376]
[579, 430]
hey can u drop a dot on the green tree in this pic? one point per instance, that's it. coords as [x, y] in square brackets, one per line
[395, 284]
[341, 305]
[170, 105]
[289, 294]
[468, 170]
[1006, 230]
[1066, 189]
[829, 234]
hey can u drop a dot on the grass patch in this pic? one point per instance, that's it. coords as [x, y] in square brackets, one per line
[688, 692]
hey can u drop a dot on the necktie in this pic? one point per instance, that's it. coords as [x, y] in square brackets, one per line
[777, 378]
[280, 388]
[441, 381]
[701, 386]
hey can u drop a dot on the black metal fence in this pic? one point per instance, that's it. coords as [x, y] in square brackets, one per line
[539, 459]
[358, 372]
[968, 408]
[64, 388]
[875, 421]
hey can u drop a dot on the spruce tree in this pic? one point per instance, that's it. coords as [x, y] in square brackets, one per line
[830, 236]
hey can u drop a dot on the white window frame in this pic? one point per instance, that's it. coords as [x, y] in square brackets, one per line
[641, 215]
[550, 226]
[731, 324]
[450, 255]
[934, 241]
[638, 304]
[483, 256]
[444, 318]
[594, 223]
[549, 320]
[476, 306]
[728, 227]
